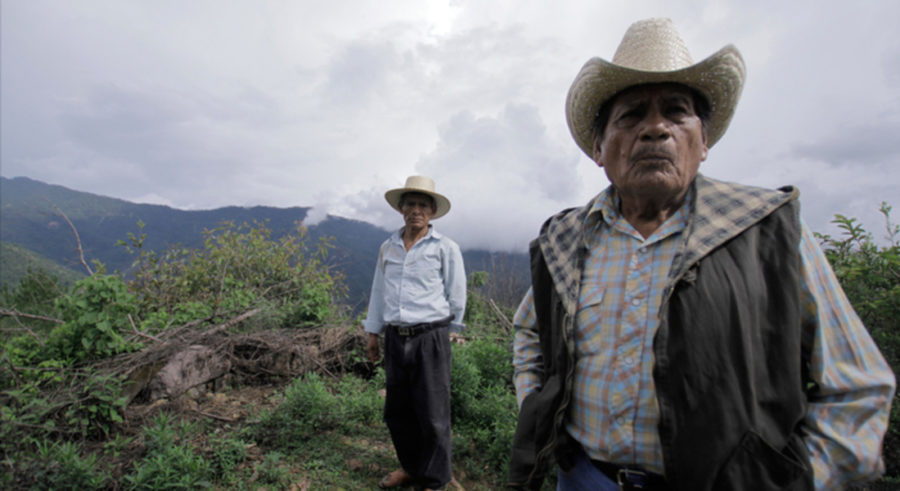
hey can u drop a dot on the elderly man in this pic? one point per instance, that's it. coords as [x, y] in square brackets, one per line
[418, 296]
[682, 332]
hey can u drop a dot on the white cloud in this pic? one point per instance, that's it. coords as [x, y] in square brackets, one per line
[206, 104]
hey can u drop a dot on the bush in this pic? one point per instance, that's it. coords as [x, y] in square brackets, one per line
[95, 314]
[870, 276]
[310, 407]
[227, 454]
[169, 464]
[63, 467]
[238, 268]
[483, 407]
[35, 293]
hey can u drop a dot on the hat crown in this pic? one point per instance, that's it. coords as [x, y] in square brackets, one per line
[420, 182]
[653, 45]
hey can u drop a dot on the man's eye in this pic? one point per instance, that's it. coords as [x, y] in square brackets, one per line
[628, 116]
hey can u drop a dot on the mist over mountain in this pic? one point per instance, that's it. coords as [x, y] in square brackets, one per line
[33, 217]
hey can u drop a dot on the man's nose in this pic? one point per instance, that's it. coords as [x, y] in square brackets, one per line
[654, 127]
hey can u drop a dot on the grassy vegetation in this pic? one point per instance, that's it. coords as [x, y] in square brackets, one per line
[65, 423]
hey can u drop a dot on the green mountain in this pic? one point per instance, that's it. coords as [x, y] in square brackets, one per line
[33, 219]
[15, 261]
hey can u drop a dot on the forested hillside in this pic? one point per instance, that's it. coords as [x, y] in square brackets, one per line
[33, 216]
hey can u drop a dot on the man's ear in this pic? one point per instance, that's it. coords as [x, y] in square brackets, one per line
[705, 148]
[597, 153]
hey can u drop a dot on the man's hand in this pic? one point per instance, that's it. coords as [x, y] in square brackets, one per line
[373, 349]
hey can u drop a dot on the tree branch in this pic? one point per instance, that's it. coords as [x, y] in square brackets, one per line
[501, 316]
[77, 238]
[16, 313]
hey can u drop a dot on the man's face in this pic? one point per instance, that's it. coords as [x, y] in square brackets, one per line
[653, 143]
[417, 209]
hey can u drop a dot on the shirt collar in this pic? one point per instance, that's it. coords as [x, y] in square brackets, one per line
[431, 234]
[605, 209]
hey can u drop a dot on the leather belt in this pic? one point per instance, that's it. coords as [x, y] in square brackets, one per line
[416, 329]
[631, 477]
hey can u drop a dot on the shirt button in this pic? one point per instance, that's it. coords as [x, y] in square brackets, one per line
[636, 302]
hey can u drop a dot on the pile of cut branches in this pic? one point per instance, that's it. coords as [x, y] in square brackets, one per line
[188, 358]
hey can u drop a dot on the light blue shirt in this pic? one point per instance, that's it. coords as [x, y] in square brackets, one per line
[425, 284]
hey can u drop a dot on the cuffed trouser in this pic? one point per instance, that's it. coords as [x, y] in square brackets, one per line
[417, 406]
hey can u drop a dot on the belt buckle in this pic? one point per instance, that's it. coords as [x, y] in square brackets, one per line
[405, 331]
[623, 478]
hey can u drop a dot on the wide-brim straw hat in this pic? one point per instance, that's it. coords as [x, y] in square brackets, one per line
[652, 51]
[419, 184]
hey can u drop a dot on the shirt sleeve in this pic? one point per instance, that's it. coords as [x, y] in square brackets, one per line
[852, 385]
[528, 365]
[455, 285]
[374, 322]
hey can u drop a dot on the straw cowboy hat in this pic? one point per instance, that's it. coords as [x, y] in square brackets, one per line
[419, 184]
[652, 51]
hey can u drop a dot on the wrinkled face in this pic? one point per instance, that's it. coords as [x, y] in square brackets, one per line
[417, 209]
[653, 142]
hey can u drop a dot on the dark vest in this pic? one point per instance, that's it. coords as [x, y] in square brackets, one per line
[729, 370]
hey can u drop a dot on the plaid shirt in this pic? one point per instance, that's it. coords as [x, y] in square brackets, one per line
[614, 413]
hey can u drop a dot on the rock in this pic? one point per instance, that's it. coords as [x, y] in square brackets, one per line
[188, 370]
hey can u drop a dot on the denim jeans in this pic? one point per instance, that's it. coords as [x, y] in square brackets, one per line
[583, 476]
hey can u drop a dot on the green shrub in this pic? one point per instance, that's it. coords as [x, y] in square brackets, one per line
[359, 402]
[307, 408]
[271, 471]
[96, 407]
[35, 293]
[227, 454]
[168, 463]
[483, 407]
[95, 314]
[62, 466]
[311, 406]
[870, 276]
[236, 269]
[481, 316]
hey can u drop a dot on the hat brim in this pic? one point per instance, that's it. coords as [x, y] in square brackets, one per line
[719, 77]
[442, 204]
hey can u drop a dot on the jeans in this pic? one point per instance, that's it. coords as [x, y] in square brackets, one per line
[583, 476]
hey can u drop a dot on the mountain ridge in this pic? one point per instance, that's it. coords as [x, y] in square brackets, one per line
[31, 218]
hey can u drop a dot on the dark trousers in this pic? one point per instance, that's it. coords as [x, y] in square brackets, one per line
[417, 406]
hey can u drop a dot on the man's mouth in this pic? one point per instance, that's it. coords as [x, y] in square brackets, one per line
[649, 155]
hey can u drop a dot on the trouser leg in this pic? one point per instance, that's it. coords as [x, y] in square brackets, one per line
[417, 407]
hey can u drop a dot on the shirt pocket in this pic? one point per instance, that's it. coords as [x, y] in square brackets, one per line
[588, 320]
[426, 267]
[393, 260]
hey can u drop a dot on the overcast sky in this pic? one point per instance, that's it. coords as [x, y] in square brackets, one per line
[203, 104]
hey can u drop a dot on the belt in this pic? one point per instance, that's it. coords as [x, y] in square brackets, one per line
[415, 329]
[631, 477]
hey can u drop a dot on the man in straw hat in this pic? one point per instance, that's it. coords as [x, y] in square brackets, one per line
[418, 296]
[682, 332]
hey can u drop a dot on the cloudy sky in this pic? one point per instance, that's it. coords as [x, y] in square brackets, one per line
[203, 104]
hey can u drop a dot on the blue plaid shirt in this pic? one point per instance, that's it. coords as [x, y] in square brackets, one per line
[614, 412]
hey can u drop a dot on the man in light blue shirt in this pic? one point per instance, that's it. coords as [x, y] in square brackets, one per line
[418, 296]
